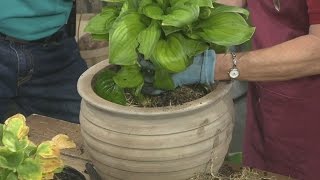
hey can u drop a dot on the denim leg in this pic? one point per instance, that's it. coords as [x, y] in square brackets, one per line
[8, 77]
[52, 89]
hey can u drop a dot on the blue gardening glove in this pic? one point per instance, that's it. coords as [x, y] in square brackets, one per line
[200, 71]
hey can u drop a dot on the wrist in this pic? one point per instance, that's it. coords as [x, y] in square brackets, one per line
[223, 66]
[234, 71]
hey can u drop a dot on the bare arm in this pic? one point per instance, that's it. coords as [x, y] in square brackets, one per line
[292, 59]
[239, 3]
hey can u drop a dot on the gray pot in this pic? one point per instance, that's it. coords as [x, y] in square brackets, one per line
[133, 143]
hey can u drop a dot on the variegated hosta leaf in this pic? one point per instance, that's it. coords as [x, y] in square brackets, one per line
[63, 141]
[31, 149]
[225, 29]
[15, 133]
[11, 141]
[17, 125]
[48, 150]
[148, 39]
[181, 15]
[102, 22]
[233, 9]
[107, 89]
[170, 55]
[163, 80]
[49, 165]
[128, 77]
[123, 39]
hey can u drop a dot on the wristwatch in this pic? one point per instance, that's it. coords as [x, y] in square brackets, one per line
[234, 71]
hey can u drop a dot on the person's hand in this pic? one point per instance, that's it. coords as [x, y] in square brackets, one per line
[200, 71]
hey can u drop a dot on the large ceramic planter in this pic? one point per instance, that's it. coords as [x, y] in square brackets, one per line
[167, 143]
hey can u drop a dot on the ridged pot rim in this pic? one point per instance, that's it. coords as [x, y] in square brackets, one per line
[88, 95]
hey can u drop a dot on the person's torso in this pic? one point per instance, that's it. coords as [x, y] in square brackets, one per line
[274, 27]
[33, 19]
[282, 116]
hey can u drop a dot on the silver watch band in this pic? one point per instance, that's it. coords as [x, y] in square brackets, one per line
[234, 71]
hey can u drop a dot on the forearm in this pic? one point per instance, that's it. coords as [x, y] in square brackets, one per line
[292, 59]
[239, 3]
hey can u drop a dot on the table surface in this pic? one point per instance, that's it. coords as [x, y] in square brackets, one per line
[45, 128]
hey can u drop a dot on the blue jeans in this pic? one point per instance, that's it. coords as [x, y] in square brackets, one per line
[40, 78]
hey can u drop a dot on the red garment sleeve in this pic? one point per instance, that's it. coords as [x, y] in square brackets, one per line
[314, 11]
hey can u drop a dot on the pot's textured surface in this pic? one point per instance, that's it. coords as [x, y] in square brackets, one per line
[168, 143]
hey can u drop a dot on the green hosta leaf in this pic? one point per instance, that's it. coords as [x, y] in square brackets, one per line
[177, 2]
[233, 9]
[205, 3]
[163, 3]
[30, 169]
[148, 39]
[170, 29]
[170, 55]
[124, 8]
[10, 160]
[12, 176]
[192, 47]
[1, 134]
[128, 77]
[205, 12]
[225, 29]
[153, 11]
[114, 0]
[163, 80]
[133, 4]
[144, 3]
[181, 15]
[4, 173]
[101, 23]
[218, 48]
[123, 39]
[100, 37]
[106, 88]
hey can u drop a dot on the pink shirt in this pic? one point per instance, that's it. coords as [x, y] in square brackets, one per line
[283, 117]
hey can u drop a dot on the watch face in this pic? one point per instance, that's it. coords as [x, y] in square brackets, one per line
[234, 73]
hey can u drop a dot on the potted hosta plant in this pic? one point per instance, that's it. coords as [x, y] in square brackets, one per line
[149, 42]
[21, 159]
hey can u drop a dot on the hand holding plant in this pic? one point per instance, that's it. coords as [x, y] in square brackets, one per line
[21, 159]
[168, 33]
[200, 71]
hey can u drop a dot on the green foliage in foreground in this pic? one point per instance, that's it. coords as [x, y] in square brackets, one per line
[21, 159]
